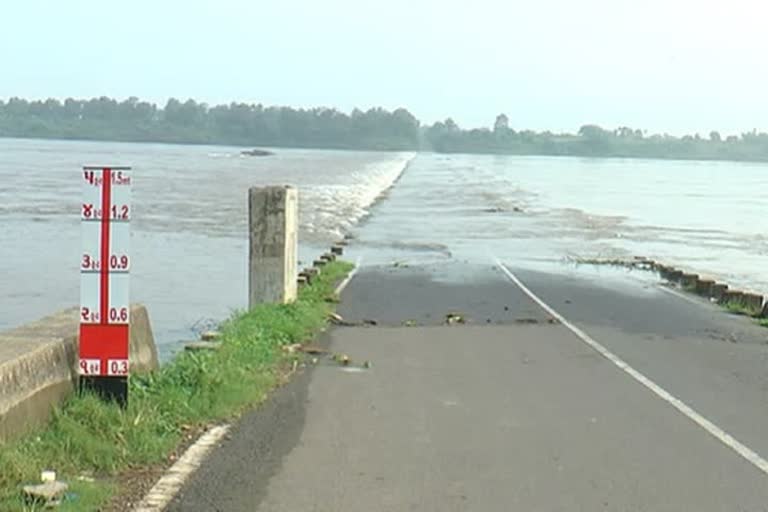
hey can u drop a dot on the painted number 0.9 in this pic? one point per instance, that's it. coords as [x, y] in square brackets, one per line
[118, 262]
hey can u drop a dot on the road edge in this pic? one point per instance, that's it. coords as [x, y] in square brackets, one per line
[168, 486]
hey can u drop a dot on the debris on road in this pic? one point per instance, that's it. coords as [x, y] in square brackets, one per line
[210, 336]
[454, 318]
[312, 349]
[352, 369]
[202, 345]
[410, 323]
[292, 348]
[49, 494]
[342, 359]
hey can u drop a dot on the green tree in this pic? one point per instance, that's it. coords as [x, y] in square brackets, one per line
[501, 125]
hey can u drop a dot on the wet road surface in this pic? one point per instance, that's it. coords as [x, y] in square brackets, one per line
[507, 411]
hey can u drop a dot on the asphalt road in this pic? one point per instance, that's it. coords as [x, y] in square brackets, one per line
[509, 411]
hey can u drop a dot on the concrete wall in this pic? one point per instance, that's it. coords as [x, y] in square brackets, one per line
[273, 233]
[38, 365]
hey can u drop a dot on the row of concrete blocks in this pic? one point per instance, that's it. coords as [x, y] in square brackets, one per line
[710, 288]
[306, 275]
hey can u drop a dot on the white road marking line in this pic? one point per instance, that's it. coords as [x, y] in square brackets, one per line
[349, 277]
[172, 481]
[169, 485]
[678, 404]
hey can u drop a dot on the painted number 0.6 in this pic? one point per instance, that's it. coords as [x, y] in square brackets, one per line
[118, 315]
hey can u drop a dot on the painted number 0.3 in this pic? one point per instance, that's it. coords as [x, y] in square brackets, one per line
[117, 367]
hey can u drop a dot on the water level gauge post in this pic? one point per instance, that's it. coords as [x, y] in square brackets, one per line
[105, 264]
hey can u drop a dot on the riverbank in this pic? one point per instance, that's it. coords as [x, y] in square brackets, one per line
[570, 146]
[96, 447]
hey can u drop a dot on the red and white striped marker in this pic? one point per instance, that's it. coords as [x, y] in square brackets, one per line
[104, 271]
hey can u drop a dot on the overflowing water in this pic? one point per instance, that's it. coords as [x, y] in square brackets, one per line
[189, 238]
[189, 227]
[541, 212]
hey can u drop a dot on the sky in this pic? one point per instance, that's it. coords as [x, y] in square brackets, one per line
[676, 66]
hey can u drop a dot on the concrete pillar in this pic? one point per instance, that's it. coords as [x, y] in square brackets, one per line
[273, 227]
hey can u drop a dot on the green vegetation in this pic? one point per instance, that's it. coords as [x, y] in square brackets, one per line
[377, 129]
[739, 308]
[594, 141]
[88, 437]
[197, 123]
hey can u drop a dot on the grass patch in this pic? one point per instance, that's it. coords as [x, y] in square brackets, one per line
[89, 437]
[738, 308]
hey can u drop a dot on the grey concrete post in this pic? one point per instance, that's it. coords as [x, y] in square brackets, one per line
[273, 227]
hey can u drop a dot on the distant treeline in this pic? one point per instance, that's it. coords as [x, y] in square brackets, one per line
[377, 129]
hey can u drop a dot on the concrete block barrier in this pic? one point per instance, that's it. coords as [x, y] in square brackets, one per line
[717, 290]
[689, 281]
[704, 287]
[675, 275]
[733, 296]
[753, 301]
